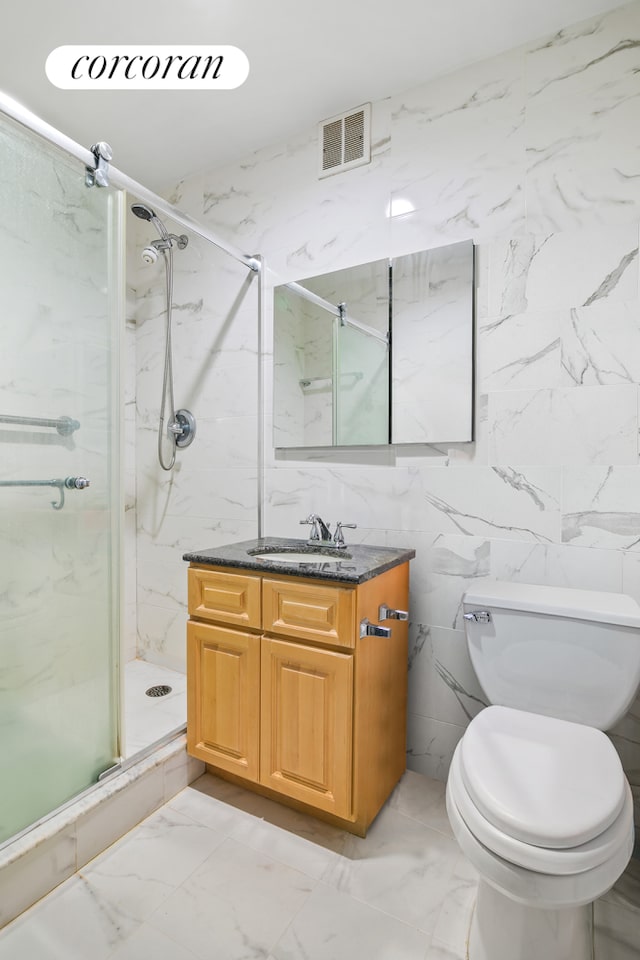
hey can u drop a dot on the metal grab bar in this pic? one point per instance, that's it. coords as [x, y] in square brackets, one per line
[69, 483]
[64, 425]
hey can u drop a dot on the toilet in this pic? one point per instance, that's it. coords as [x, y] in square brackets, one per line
[536, 794]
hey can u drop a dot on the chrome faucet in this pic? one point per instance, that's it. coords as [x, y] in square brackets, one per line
[338, 537]
[320, 533]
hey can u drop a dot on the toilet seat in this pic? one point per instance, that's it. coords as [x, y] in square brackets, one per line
[541, 781]
[538, 890]
[555, 861]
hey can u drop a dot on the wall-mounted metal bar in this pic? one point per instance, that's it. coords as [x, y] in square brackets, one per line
[64, 425]
[307, 381]
[69, 483]
[28, 119]
[337, 310]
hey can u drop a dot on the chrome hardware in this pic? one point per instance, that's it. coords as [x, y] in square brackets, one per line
[70, 483]
[180, 241]
[320, 533]
[64, 425]
[116, 768]
[98, 176]
[77, 483]
[478, 616]
[387, 613]
[338, 537]
[368, 629]
[183, 428]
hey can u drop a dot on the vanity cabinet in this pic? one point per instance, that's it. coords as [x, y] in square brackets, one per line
[286, 697]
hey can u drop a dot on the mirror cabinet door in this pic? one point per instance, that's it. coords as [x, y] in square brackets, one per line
[337, 382]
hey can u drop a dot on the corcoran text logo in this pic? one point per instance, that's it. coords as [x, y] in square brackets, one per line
[147, 67]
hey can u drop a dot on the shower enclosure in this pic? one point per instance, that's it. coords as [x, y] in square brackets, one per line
[60, 283]
[66, 540]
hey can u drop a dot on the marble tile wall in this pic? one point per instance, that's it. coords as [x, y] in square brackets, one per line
[534, 156]
[211, 495]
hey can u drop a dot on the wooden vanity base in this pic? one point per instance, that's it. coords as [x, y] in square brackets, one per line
[286, 699]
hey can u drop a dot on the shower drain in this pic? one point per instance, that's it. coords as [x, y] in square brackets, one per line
[160, 690]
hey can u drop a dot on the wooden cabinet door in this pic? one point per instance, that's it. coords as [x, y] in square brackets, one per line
[307, 722]
[223, 698]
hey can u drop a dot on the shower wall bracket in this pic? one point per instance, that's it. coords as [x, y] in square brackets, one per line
[98, 176]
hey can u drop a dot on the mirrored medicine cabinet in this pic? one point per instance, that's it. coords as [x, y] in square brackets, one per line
[377, 353]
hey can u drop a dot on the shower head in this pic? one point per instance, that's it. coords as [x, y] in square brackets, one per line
[145, 213]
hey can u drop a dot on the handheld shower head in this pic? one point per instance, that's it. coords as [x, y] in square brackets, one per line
[145, 213]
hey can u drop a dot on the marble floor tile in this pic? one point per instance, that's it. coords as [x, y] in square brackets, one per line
[291, 838]
[617, 931]
[135, 875]
[402, 867]
[69, 924]
[219, 872]
[239, 899]
[441, 951]
[423, 800]
[147, 943]
[332, 926]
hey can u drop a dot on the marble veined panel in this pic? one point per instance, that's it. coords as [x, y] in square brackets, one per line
[458, 153]
[592, 57]
[601, 343]
[443, 568]
[564, 426]
[582, 161]
[442, 681]
[570, 269]
[563, 565]
[431, 744]
[513, 503]
[601, 507]
[519, 351]
[582, 153]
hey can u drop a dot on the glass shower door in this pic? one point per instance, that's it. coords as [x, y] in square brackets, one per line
[59, 425]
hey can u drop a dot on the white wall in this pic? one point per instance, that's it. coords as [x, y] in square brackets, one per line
[535, 156]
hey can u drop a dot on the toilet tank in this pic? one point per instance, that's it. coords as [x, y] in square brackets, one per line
[571, 654]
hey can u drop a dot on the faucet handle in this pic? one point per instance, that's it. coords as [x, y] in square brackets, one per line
[312, 521]
[338, 537]
[319, 529]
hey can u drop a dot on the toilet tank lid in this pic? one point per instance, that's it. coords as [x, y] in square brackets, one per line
[615, 608]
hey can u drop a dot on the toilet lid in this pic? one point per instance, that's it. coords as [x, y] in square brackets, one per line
[547, 782]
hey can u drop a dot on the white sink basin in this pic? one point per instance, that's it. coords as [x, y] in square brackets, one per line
[291, 557]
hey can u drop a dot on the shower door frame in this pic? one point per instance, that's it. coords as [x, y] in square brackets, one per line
[127, 185]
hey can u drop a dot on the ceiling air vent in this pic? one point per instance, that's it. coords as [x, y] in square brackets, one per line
[345, 141]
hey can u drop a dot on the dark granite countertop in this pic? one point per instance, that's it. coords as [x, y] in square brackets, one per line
[358, 562]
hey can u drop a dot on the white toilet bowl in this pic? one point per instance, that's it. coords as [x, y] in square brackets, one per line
[542, 809]
[536, 795]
